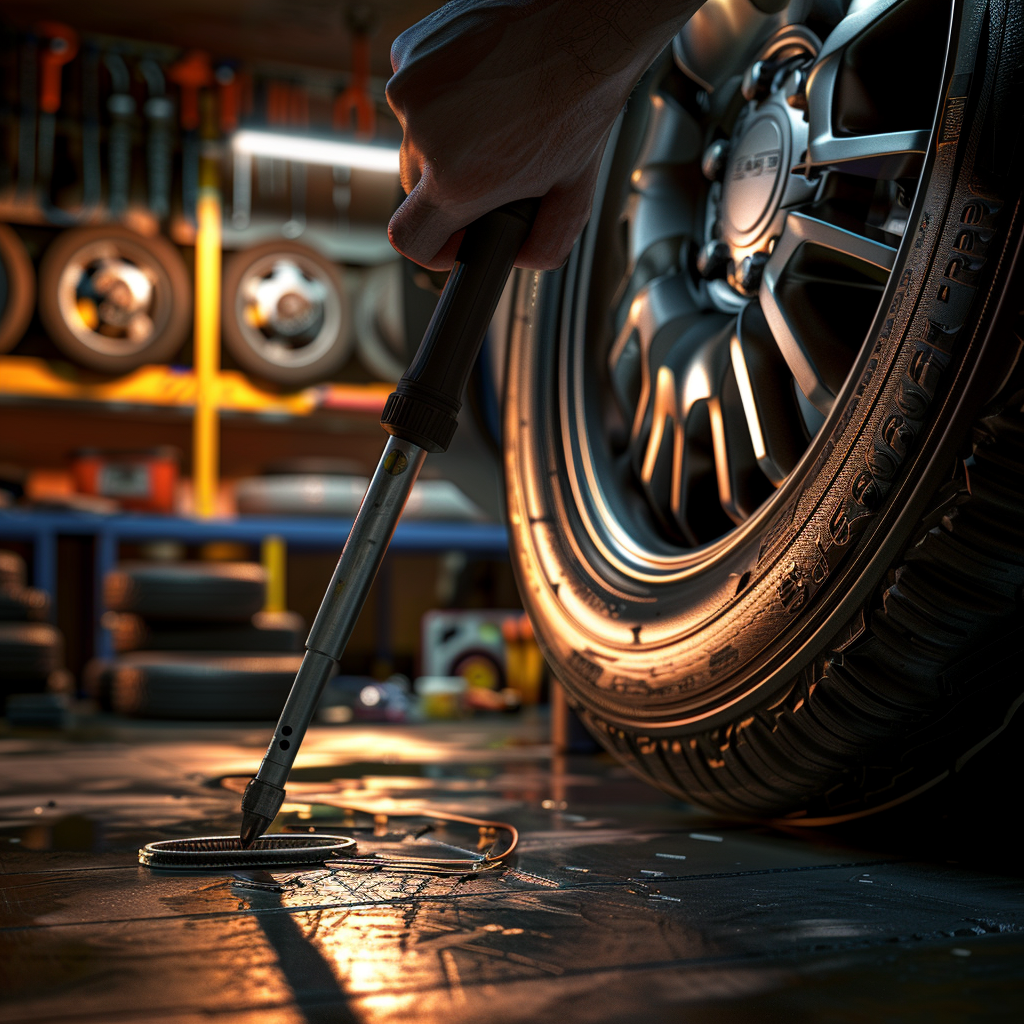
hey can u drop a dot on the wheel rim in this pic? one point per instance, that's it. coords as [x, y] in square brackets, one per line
[689, 399]
[289, 310]
[114, 297]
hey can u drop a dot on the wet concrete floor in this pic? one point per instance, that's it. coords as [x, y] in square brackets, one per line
[619, 905]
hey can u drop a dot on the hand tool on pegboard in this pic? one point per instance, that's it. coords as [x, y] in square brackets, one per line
[421, 416]
[28, 71]
[121, 107]
[92, 183]
[230, 85]
[159, 111]
[354, 104]
[191, 74]
[60, 44]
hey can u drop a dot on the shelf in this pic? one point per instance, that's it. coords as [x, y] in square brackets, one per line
[170, 387]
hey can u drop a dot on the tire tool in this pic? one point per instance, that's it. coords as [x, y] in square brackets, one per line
[27, 73]
[421, 416]
[159, 111]
[121, 107]
[60, 47]
[92, 184]
[354, 104]
[229, 94]
[190, 74]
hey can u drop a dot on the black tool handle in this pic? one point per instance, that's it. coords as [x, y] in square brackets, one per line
[424, 407]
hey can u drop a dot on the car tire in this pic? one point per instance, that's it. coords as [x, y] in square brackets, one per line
[17, 288]
[187, 591]
[29, 651]
[12, 569]
[23, 604]
[202, 687]
[73, 296]
[271, 349]
[851, 636]
[266, 633]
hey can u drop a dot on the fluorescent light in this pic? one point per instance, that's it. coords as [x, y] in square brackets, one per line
[305, 149]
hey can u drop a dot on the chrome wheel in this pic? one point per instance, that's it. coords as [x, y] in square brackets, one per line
[289, 312]
[108, 298]
[287, 316]
[746, 232]
[114, 300]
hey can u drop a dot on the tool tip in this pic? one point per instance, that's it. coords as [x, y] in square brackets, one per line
[260, 803]
[253, 826]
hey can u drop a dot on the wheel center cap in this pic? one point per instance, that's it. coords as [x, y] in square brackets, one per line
[751, 179]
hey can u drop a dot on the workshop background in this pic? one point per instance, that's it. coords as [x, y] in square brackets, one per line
[197, 337]
[200, 321]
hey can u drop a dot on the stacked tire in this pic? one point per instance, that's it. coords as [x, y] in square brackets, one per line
[193, 643]
[32, 673]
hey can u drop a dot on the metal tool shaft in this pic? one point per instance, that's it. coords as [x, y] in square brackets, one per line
[361, 557]
[421, 415]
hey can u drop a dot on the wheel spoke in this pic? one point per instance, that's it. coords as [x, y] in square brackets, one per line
[817, 260]
[884, 155]
[673, 138]
[864, 115]
[741, 485]
[766, 393]
[660, 212]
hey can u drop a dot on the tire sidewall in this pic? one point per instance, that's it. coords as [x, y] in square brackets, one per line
[21, 289]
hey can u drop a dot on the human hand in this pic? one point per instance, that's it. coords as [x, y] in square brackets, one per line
[509, 99]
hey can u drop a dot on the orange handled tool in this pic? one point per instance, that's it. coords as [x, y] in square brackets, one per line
[191, 74]
[60, 47]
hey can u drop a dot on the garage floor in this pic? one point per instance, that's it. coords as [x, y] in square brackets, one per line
[622, 905]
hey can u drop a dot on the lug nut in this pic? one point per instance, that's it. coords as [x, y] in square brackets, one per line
[715, 158]
[750, 270]
[797, 97]
[713, 260]
[757, 79]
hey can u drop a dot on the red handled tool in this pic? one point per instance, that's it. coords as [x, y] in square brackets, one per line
[191, 74]
[59, 47]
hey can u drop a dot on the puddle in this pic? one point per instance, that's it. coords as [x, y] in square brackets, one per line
[72, 833]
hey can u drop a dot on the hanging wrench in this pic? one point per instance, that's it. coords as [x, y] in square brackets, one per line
[121, 107]
[190, 74]
[27, 73]
[228, 111]
[159, 111]
[60, 47]
[92, 188]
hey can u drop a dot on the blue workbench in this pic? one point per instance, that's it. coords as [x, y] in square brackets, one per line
[42, 528]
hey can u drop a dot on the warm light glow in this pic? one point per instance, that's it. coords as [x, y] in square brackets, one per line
[370, 696]
[746, 387]
[306, 149]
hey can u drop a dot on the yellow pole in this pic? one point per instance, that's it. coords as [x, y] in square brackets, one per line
[274, 555]
[206, 426]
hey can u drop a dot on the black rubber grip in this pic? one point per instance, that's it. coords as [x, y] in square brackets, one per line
[424, 407]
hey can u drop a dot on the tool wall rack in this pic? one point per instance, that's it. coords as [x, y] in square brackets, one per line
[42, 529]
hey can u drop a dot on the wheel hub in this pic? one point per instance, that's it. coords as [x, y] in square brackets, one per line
[747, 205]
[751, 192]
